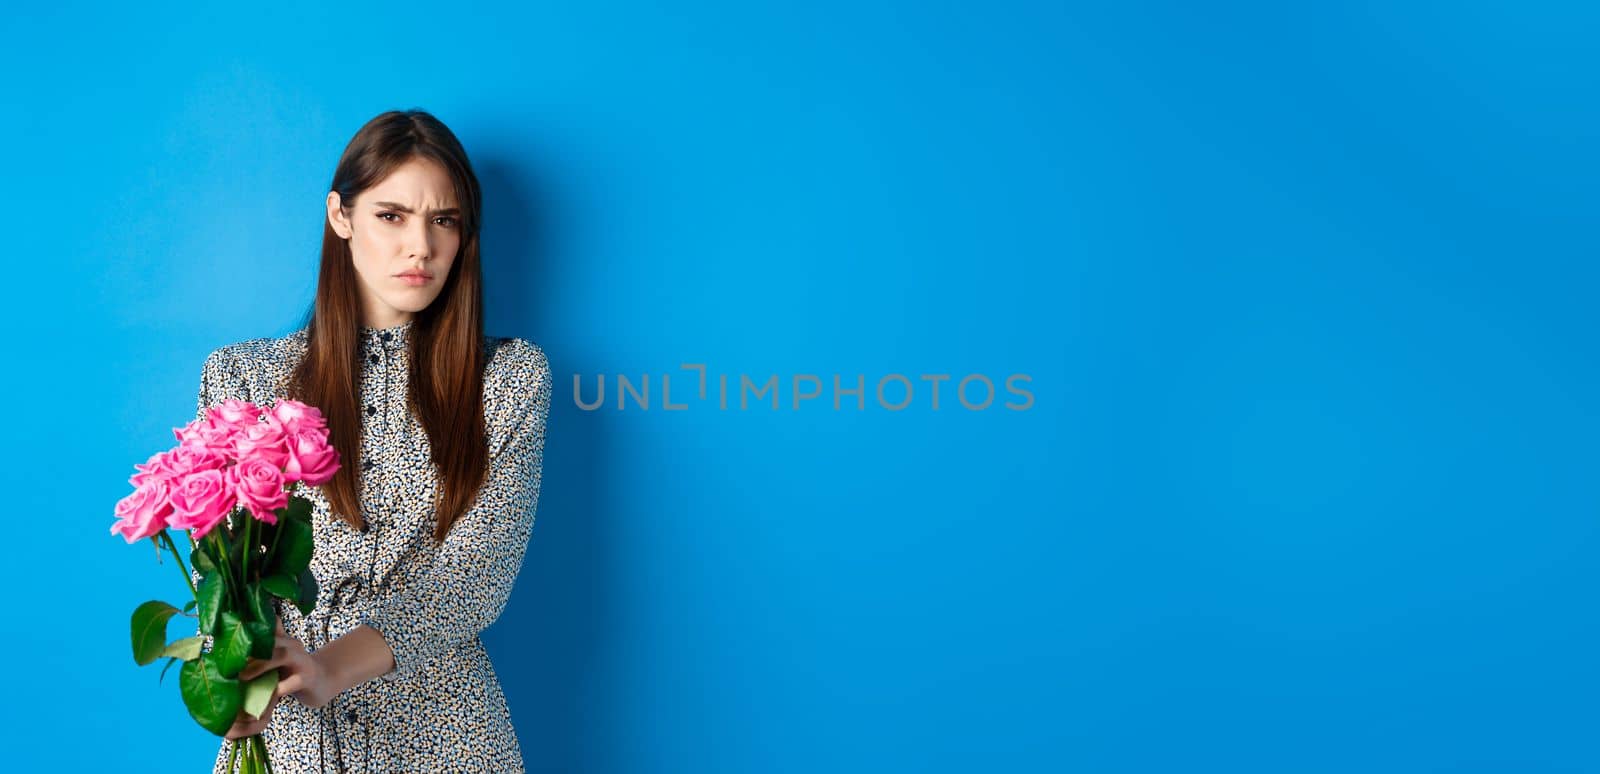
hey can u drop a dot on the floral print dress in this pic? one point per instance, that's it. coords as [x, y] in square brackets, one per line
[441, 709]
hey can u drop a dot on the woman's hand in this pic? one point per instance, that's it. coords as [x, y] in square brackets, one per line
[298, 673]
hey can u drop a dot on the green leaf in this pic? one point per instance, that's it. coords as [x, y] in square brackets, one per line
[264, 537]
[213, 700]
[281, 586]
[258, 693]
[201, 559]
[164, 669]
[298, 509]
[263, 637]
[260, 602]
[294, 548]
[150, 630]
[188, 606]
[236, 547]
[211, 592]
[231, 648]
[186, 649]
[308, 593]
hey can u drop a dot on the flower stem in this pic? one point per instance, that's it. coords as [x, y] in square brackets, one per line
[227, 567]
[167, 539]
[279, 527]
[277, 530]
[266, 762]
[233, 754]
[249, 524]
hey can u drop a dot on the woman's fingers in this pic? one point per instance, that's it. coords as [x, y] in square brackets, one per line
[291, 684]
[244, 725]
[254, 667]
[284, 646]
[242, 730]
[285, 649]
[280, 655]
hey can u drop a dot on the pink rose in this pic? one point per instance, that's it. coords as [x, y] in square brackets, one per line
[296, 417]
[190, 433]
[235, 413]
[143, 513]
[311, 458]
[157, 468]
[201, 500]
[211, 434]
[265, 441]
[259, 486]
[183, 460]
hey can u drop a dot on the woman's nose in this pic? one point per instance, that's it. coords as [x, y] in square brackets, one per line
[420, 242]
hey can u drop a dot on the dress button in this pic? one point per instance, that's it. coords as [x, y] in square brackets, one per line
[350, 715]
[366, 464]
[385, 335]
[371, 409]
[373, 358]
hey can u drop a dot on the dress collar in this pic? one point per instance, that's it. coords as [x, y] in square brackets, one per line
[392, 338]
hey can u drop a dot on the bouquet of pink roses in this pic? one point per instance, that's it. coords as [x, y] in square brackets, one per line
[230, 483]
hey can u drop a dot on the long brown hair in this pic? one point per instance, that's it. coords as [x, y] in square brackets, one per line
[445, 341]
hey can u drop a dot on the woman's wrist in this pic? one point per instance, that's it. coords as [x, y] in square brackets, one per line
[360, 655]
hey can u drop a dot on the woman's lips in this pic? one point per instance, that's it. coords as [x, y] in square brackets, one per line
[414, 279]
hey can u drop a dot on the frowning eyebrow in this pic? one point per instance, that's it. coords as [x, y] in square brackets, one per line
[409, 211]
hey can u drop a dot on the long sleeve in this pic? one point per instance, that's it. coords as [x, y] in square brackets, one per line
[216, 374]
[471, 577]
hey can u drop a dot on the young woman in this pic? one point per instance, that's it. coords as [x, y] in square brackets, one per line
[440, 432]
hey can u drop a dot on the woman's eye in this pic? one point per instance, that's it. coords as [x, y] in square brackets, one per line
[388, 215]
[446, 220]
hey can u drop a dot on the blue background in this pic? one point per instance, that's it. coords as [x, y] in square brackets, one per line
[1307, 297]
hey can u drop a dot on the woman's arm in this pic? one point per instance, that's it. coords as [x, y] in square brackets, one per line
[314, 678]
[360, 655]
[471, 577]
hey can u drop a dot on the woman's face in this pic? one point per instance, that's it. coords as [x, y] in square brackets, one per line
[404, 233]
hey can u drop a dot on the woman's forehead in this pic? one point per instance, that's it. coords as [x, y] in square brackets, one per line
[417, 183]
